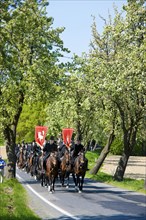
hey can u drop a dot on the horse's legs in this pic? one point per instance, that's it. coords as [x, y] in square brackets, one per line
[45, 180]
[35, 166]
[78, 182]
[26, 167]
[42, 179]
[67, 185]
[67, 177]
[62, 177]
[75, 181]
[31, 170]
[81, 181]
[53, 184]
[49, 183]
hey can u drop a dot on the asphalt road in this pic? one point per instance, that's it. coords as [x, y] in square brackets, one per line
[97, 201]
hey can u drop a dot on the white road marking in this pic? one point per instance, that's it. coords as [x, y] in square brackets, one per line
[46, 201]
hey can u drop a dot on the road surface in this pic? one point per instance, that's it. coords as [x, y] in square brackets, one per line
[97, 201]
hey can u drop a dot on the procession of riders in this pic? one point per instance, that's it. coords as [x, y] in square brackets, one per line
[33, 158]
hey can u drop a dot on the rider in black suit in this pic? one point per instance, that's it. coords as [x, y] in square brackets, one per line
[78, 147]
[49, 147]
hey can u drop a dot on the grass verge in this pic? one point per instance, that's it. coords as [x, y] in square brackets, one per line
[127, 183]
[13, 202]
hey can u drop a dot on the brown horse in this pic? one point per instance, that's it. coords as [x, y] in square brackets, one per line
[65, 167]
[20, 162]
[41, 171]
[80, 168]
[51, 171]
[30, 164]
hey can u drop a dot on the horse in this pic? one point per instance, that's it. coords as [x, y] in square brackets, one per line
[20, 162]
[51, 171]
[41, 171]
[65, 167]
[80, 168]
[29, 162]
[32, 164]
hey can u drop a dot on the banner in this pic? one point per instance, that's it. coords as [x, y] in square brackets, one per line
[40, 134]
[67, 135]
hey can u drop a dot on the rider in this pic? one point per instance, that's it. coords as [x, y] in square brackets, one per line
[78, 147]
[36, 153]
[2, 165]
[35, 149]
[62, 150]
[48, 148]
[59, 141]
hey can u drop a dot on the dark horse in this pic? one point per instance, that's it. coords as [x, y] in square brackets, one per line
[65, 167]
[51, 171]
[41, 171]
[21, 160]
[32, 164]
[80, 168]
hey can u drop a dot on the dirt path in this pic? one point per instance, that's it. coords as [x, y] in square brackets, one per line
[136, 167]
[3, 152]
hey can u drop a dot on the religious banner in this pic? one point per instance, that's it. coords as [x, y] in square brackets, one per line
[40, 135]
[67, 135]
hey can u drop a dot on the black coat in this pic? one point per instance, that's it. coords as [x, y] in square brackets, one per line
[62, 150]
[35, 148]
[48, 148]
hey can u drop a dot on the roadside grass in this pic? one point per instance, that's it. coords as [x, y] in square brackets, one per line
[13, 202]
[127, 183]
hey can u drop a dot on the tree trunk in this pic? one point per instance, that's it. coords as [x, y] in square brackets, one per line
[103, 154]
[10, 137]
[119, 174]
[129, 142]
[11, 161]
[9, 133]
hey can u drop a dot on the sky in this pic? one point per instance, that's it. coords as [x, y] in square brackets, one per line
[77, 17]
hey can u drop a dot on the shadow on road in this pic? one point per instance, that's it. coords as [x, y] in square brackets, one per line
[102, 217]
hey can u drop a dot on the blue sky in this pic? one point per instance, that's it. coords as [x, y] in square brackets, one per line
[76, 17]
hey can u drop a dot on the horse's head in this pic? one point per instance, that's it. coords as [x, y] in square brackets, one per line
[80, 161]
[67, 156]
[53, 158]
[52, 164]
[81, 157]
[66, 160]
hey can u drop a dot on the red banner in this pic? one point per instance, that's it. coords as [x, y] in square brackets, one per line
[40, 134]
[67, 135]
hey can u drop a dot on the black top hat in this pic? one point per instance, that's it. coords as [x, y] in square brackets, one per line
[52, 138]
[78, 138]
